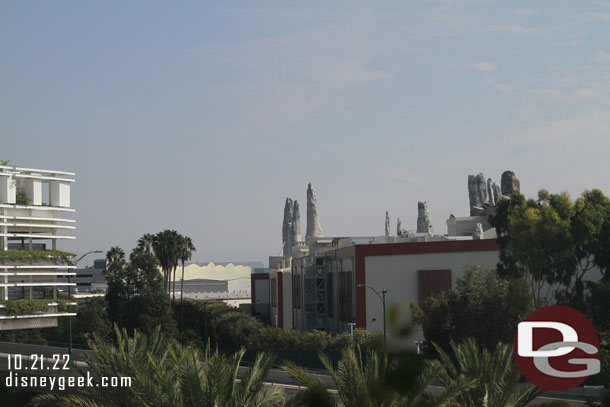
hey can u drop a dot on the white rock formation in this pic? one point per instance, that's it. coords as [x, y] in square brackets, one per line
[497, 192]
[424, 223]
[313, 220]
[478, 232]
[490, 193]
[387, 224]
[287, 227]
[399, 230]
[510, 183]
[296, 223]
[477, 192]
[291, 228]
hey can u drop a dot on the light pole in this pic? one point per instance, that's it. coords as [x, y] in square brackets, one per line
[351, 328]
[74, 263]
[381, 294]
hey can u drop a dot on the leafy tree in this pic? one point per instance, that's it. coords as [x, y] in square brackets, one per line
[598, 304]
[535, 241]
[91, 318]
[135, 296]
[590, 221]
[497, 377]
[465, 312]
[602, 255]
[554, 242]
[232, 327]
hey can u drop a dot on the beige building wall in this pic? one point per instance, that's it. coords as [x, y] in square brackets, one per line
[398, 274]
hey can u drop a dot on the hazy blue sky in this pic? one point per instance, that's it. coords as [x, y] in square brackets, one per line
[204, 117]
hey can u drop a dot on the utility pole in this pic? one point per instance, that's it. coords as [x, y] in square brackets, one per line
[381, 294]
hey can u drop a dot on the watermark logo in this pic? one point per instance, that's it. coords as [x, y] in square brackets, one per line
[557, 348]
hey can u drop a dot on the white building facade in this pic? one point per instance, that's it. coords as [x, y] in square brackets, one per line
[35, 217]
[329, 293]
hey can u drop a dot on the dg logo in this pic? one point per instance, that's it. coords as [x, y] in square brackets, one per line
[556, 348]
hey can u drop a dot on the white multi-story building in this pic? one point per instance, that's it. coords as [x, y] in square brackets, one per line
[34, 217]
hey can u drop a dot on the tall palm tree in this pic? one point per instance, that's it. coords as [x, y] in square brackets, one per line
[115, 255]
[365, 384]
[497, 376]
[165, 247]
[185, 250]
[145, 243]
[175, 261]
[165, 373]
[115, 263]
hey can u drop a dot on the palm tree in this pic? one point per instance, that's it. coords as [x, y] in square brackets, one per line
[497, 376]
[185, 250]
[367, 384]
[164, 245]
[115, 263]
[165, 373]
[176, 259]
[129, 357]
[214, 382]
[115, 255]
[145, 243]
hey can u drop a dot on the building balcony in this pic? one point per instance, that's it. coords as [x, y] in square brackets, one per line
[34, 313]
[25, 187]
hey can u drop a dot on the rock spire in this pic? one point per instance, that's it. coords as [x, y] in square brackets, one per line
[313, 220]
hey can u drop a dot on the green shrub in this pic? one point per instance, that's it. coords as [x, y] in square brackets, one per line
[36, 255]
[483, 306]
[27, 306]
[22, 199]
[232, 328]
[64, 305]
